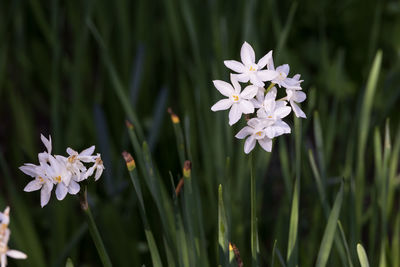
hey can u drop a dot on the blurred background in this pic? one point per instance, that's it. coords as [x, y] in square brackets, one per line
[76, 70]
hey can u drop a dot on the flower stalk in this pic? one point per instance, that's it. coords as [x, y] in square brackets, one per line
[94, 232]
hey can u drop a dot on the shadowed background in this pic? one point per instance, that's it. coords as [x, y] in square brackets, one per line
[78, 69]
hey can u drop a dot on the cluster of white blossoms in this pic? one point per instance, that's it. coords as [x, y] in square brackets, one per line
[63, 172]
[5, 237]
[268, 112]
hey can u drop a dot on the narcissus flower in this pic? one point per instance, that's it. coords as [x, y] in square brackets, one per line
[5, 237]
[238, 101]
[266, 113]
[63, 172]
[249, 70]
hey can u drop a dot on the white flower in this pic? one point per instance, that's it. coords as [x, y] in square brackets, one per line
[282, 78]
[44, 156]
[98, 166]
[248, 69]
[75, 159]
[41, 181]
[256, 130]
[296, 96]
[237, 101]
[61, 176]
[4, 238]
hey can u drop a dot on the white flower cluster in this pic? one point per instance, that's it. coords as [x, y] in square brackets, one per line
[63, 172]
[267, 122]
[5, 237]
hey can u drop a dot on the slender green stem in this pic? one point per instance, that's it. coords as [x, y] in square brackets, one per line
[253, 213]
[98, 242]
[269, 87]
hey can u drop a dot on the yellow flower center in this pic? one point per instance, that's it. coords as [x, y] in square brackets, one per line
[58, 179]
[235, 98]
[252, 69]
[269, 117]
[41, 179]
[259, 133]
[72, 159]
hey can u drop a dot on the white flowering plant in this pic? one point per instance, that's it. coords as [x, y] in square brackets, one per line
[5, 234]
[63, 172]
[264, 112]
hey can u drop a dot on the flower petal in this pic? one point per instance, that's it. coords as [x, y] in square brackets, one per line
[299, 96]
[223, 87]
[297, 111]
[249, 92]
[33, 186]
[61, 191]
[244, 132]
[73, 187]
[246, 106]
[253, 122]
[267, 75]
[235, 65]
[256, 81]
[283, 68]
[266, 144]
[282, 112]
[270, 132]
[234, 114]
[222, 105]
[235, 83]
[16, 254]
[46, 142]
[243, 77]
[71, 152]
[3, 260]
[249, 144]
[247, 54]
[45, 194]
[264, 60]
[99, 171]
[88, 151]
[29, 169]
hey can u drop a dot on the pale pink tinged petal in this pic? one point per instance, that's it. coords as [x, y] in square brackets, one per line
[285, 127]
[246, 106]
[3, 260]
[282, 112]
[267, 75]
[249, 92]
[71, 152]
[73, 187]
[247, 54]
[45, 194]
[88, 151]
[61, 191]
[99, 171]
[16, 254]
[270, 64]
[283, 68]
[90, 171]
[243, 77]
[299, 96]
[244, 132]
[264, 60]
[261, 113]
[256, 103]
[249, 144]
[86, 159]
[234, 114]
[256, 81]
[289, 83]
[29, 169]
[235, 65]
[253, 122]
[46, 142]
[297, 111]
[235, 83]
[266, 144]
[222, 105]
[33, 186]
[296, 77]
[270, 132]
[223, 87]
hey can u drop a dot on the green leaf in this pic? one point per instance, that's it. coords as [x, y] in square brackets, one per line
[330, 230]
[362, 256]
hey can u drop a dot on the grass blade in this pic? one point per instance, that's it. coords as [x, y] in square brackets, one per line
[362, 256]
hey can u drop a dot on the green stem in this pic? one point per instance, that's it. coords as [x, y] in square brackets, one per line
[98, 242]
[269, 87]
[254, 238]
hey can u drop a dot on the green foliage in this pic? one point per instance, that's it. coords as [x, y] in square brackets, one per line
[78, 69]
